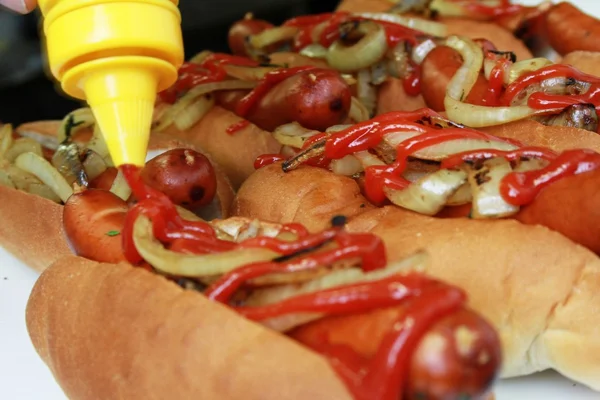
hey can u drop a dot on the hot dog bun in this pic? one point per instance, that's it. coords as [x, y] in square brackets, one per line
[536, 286]
[32, 226]
[364, 5]
[122, 332]
[391, 96]
[557, 138]
[235, 152]
[585, 61]
[307, 193]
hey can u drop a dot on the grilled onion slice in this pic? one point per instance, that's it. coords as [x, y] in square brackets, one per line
[485, 181]
[262, 297]
[45, 172]
[204, 267]
[369, 49]
[429, 194]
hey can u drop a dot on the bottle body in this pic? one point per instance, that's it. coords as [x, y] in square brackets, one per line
[116, 54]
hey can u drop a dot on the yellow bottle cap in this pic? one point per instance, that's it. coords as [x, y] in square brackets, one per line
[117, 54]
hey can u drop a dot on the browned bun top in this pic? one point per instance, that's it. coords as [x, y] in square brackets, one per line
[306, 195]
[391, 96]
[557, 138]
[31, 228]
[234, 152]
[113, 331]
[585, 61]
[364, 5]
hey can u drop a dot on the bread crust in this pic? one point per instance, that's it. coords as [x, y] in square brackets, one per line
[304, 194]
[585, 61]
[113, 331]
[549, 283]
[557, 138]
[31, 228]
[234, 152]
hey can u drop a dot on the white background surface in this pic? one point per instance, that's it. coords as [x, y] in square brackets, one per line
[23, 376]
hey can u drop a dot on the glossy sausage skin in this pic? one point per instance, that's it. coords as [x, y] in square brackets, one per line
[239, 32]
[437, 70]
[105, 180]
[569, 29]
[316, 99]
[570, 206]
[185, 175]
[460, 351]
[93, 220]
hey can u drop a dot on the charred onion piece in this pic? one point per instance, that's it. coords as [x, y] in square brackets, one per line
[315, 150]
[67, 161]
[582, 116]
[362, 44]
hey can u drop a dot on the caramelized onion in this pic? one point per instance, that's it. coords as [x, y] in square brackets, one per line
[45, 172]
[485, 185]
[418, 24]
[461, 84]
[293, 134]
[20, 146]
[205, 267]
[429, 194]
[369, 49]
[358, 111]
[272, 36]
[193, 95]
[261, 297]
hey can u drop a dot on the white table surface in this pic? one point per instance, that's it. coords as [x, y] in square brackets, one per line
[24, 376]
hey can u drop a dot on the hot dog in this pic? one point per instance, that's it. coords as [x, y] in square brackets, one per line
[229, 106]
[437, 309]
[316, 99]
[569, 29]
[438, 68]
[93, 219]
[490, 247]
[30, 179]
[428, 186]
[388, 80]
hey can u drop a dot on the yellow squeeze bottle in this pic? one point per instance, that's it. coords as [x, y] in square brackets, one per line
[117, 55]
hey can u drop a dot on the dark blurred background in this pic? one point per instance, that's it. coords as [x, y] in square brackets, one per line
[27, 94]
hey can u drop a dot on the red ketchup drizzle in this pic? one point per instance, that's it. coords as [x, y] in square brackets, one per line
[238, 126]
[503, 8]
[267, 159]
[386, 373]
[412, 83]
[384, 376]
[195, 237]
[496, 83]
[548, 102]
[266, 84]
[520, 188]
[208, 71]
[368, 134]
